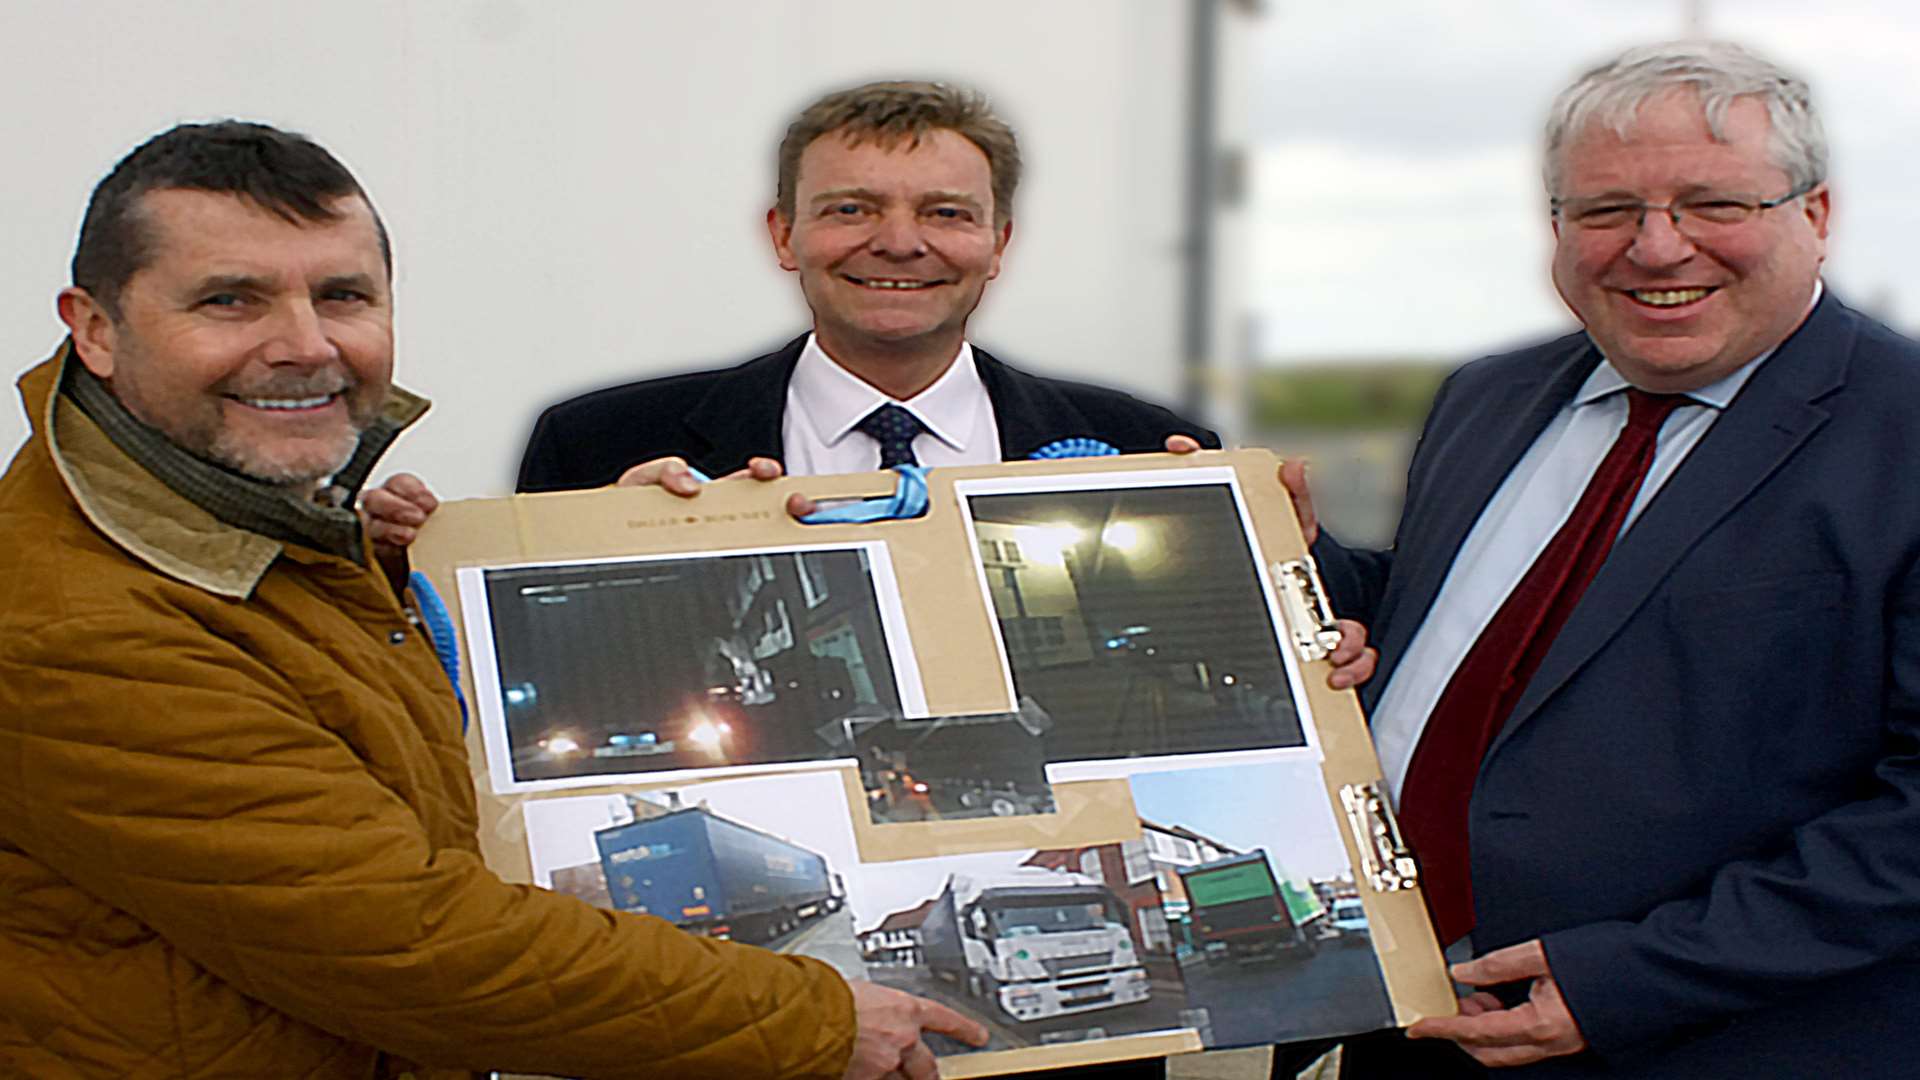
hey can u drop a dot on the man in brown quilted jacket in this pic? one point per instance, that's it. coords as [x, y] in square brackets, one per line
[237, 829]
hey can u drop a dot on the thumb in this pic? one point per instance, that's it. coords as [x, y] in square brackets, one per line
[1511, 964]
[1293, 477]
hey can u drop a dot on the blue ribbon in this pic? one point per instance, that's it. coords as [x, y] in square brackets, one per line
[1074, 447]
[909, 500]
[433, 612]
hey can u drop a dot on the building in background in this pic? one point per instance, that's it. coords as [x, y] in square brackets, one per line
[578, 199]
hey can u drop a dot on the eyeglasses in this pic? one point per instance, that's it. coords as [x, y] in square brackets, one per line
[1705, 212]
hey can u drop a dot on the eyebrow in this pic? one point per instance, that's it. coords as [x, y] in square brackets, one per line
[232, 282]
[867, 194]
[360, 282]
[960, 197]
[1685, 191]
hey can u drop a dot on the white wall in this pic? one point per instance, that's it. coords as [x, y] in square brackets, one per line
[575, 189]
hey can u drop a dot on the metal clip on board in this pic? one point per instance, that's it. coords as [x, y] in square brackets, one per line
[1385, 858]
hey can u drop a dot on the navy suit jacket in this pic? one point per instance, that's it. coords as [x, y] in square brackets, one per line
[719, 419]
[1707, 802]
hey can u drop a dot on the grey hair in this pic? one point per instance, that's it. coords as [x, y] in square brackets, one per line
[1720, 72]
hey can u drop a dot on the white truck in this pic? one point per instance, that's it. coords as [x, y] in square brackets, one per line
[1034, 943]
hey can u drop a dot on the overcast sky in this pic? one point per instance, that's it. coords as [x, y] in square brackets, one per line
[1280, 807]
[1396, 195]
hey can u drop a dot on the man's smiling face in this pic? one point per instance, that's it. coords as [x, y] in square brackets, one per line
[259, 343]
[893, 243]
[1676, 310]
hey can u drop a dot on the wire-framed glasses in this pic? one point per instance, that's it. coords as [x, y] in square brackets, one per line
[1701, 212]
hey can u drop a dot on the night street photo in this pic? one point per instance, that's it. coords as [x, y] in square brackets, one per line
[711, 661]
[1135, 619]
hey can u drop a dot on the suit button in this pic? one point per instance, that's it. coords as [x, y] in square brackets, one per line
[398, 637]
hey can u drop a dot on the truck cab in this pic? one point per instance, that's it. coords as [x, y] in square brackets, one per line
[1048, 944]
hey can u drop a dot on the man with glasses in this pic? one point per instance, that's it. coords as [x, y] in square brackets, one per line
[1648, 696]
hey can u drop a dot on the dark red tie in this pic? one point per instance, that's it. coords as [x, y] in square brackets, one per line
[1495, 672]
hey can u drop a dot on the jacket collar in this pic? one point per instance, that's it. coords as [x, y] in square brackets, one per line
[739, 418]
[195, 540]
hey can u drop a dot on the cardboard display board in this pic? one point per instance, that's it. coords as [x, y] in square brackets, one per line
[1059, 753]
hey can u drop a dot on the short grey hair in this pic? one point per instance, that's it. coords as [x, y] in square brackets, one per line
[1720, 72]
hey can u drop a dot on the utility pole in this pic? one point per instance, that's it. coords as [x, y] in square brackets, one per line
[1201, 203]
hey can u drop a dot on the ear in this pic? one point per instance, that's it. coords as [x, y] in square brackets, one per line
[94, 333]
[780, 231]
[1819, 208]
[1000, 247]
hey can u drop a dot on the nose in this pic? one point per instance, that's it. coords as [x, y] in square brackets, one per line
[898, 236]
[1658, 242]
[300, 336]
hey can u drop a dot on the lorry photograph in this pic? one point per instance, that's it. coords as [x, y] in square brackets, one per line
[1242, 912]
[713, 876]
[1034, 943]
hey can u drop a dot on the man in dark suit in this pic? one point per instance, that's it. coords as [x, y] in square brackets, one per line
[1649, 688]
[893, 209]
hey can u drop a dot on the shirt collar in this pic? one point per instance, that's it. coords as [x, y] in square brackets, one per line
[1607, 380]
[832, 399]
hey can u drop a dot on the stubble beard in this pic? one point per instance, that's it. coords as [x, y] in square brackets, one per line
[294, 464]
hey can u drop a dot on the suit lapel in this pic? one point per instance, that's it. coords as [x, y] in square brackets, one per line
[1028, 413]
[1468, 475]
[1773, 416]
[740, 417]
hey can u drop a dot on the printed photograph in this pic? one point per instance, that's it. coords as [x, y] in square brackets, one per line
[1260, 903]
[1041, 947]
[761, 860]
[625, 669]
[951, 767]
[1134, 618]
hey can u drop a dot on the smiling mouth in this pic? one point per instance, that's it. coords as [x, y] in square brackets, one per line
[298, 404]
[897, 284]
[1667, 298]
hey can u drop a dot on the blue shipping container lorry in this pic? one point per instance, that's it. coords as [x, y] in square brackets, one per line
[713, 876]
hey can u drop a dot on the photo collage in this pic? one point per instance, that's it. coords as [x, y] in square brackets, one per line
[732, 697]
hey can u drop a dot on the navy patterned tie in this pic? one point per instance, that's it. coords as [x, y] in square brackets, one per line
[893, 428]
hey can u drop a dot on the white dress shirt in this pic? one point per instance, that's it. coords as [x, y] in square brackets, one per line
[825, 401]
[1528, 509]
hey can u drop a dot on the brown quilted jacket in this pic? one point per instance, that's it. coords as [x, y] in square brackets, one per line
[237, 829]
